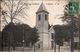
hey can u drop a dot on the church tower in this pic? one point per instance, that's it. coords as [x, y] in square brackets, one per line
[42, 26]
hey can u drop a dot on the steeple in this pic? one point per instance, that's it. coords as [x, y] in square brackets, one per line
[42, 8]
[42, 25]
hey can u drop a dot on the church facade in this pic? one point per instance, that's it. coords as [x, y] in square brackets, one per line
[45, 31]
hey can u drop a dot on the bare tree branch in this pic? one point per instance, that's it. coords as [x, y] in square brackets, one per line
[15, 10]
[9, 1]
[12, 10]
[19, 10]
[8, 6]
[18, 5]
[21, 16]
[23, 12]
[5, 20]
[17, 19]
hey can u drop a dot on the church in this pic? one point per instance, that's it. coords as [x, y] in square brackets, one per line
[45, 31]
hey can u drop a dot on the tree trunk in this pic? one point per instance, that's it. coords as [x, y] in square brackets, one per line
[79, 31]
[55, 48]
[34, 47]
[9, 44]
[59, 48]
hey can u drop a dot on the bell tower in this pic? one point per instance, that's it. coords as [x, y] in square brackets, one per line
[42, 26]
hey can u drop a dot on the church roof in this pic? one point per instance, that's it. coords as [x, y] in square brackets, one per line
[42, 8]
[51, 30]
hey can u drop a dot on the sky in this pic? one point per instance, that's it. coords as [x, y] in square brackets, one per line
[55, 9]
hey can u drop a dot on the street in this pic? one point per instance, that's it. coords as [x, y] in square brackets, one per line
[63, 49]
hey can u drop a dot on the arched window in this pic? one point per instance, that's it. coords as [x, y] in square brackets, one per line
[51, 35]
[46, 17]
[39, 17]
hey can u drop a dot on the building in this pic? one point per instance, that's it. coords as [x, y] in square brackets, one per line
[45, 32]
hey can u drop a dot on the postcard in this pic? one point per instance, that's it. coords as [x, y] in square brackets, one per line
[39, 25]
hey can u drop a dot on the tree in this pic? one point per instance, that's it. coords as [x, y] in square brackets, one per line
[67, 18]
[30, 34]
[13, 35]
[8, 35]
[62, 33]
[58, 36]
[79, 30]
[13, 10]
[72, 20]
[0, 41]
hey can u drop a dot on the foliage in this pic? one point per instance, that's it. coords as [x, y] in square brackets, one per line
[79, 31]
[7, 34]
[13, 35]
[72, 20]
[0, 40]
[30, 34]
[62, 33]
[67, 18]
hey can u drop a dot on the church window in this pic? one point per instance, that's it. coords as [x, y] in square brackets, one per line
[52, 35]
[46, 17]
[39, 17]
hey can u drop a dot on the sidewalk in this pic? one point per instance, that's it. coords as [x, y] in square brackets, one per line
[43, 51]
[62, 49]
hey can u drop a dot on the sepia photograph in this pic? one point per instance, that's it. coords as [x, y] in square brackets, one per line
[39, 25]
